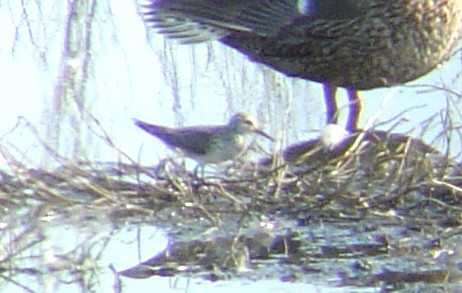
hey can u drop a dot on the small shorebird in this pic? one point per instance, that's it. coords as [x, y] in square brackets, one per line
[207, 143]
[355, 44]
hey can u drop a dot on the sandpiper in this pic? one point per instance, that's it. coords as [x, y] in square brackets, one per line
[207, 143]
[355, 44]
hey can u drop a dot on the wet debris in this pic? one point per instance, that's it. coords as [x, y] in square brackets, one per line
[374, 210]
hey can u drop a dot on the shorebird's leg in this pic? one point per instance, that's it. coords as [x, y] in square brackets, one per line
[199, 171]
[354, 110]
[331, 103]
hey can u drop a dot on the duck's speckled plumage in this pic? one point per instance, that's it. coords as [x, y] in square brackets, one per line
[356, 44]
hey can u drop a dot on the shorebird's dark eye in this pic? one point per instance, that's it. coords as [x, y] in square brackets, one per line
[249, 122]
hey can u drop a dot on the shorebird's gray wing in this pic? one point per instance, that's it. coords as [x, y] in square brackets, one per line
[193, 140]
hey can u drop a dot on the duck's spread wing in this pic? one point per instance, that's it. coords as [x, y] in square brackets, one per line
[200, 20]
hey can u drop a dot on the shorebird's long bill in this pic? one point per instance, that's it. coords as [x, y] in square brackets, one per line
[262, 133]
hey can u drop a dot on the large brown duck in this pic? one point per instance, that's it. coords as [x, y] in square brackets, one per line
[354, 44]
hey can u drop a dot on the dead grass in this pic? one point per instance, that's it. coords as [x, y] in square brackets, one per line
[380, 175]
